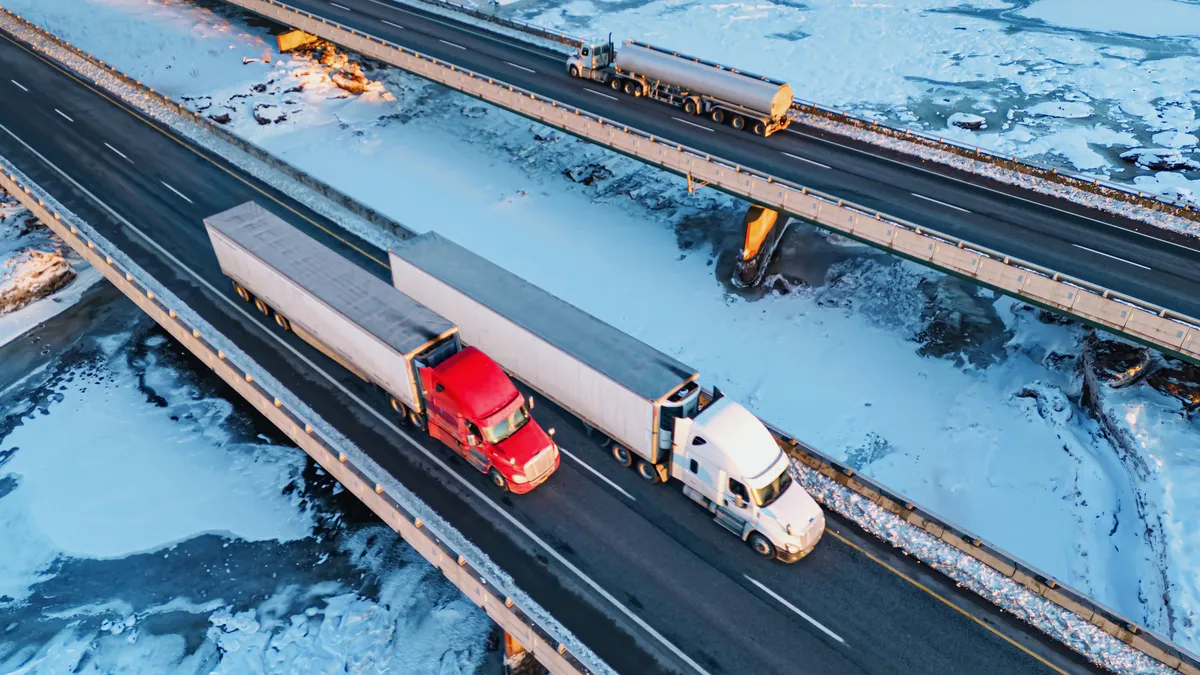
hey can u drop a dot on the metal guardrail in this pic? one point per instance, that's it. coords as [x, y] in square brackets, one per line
[722, 172]
[454, 565]
[1036, 581]
[1157, 326]
[1150, 200]
[515, 24]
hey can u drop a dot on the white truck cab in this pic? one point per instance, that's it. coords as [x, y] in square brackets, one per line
[729, 463]
[591, 61]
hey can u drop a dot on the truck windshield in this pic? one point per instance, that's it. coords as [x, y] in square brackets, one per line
[767, 494]
[506, 427]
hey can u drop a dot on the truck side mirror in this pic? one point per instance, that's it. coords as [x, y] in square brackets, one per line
[741, 503]
[531, 403]
[472, 440]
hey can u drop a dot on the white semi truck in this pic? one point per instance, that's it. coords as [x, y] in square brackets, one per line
[646, 403]
[744, 100]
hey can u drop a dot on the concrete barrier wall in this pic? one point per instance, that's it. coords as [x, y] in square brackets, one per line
[459, 570]
[1038, 285]
[1150, 324]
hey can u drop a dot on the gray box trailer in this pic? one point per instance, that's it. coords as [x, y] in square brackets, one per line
[615, 383]
[350, 315]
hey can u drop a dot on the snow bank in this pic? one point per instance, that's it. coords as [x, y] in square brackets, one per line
[34, 264]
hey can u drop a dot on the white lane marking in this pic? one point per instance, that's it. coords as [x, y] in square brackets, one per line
[597, 473]
[794, 608]
[518, 67]
[119, 153]
[447, 42]
[600, 93]
[19, 85]
[64, 115]
[393, 25]
[181, 195]
[1109, 255]
[680, 119]
[805, 159]
[936, 201]
[468, 485]
[341, 7]
[989, 189]
[486, 36]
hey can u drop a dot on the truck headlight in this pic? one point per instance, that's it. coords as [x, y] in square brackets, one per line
[792, 548]
[519, 478]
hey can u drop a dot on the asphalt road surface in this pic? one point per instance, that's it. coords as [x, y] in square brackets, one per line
[679, 593]
[1127, 256]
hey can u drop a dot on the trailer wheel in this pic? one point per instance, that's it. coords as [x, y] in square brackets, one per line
[718, 116]
[574, 71]
[691, 107]
[738, 122]
[615, 83]
[414, 419]
[498, 480]
[647, 471]
[262, 307]
[759, 129]
[283, 322]
[761, 545]
[241, 292]
[623, 457]
[399, 407]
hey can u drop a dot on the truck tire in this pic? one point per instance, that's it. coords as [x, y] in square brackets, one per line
[691, 107]
[615, 83]
[399, 407]
[718, 116]
[629, 88]
[574, 71]
[623, 456]
[738, 122]
[262, 307]
[647, 471]
[497, 480]
[283, 322]
[415, 420]
[761, 545]
[241, 292]
[759, 128]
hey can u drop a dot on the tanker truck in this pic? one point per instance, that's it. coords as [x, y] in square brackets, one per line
[646, 405]
[457, 394]
[744, 100]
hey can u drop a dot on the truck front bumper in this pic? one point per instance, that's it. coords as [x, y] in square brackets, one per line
[526, 488]
[783, 555]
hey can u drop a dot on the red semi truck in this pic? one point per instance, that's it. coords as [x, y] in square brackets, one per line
[458, 394]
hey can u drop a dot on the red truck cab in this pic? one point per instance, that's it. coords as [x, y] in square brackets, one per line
[475, 409]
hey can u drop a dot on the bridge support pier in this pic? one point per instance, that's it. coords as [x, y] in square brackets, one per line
[763, 232]
[519, 662]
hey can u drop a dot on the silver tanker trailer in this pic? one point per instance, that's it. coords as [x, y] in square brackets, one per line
[744, 100]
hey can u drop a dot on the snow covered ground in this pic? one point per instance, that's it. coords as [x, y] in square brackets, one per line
[1072, 83]
[149, 527]
[34, 264]
[972, 405]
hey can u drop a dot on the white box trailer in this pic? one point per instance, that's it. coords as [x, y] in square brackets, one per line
[645, 401]
[613, 382]
[341, 309]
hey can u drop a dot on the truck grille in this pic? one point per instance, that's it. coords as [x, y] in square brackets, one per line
[540, 464]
